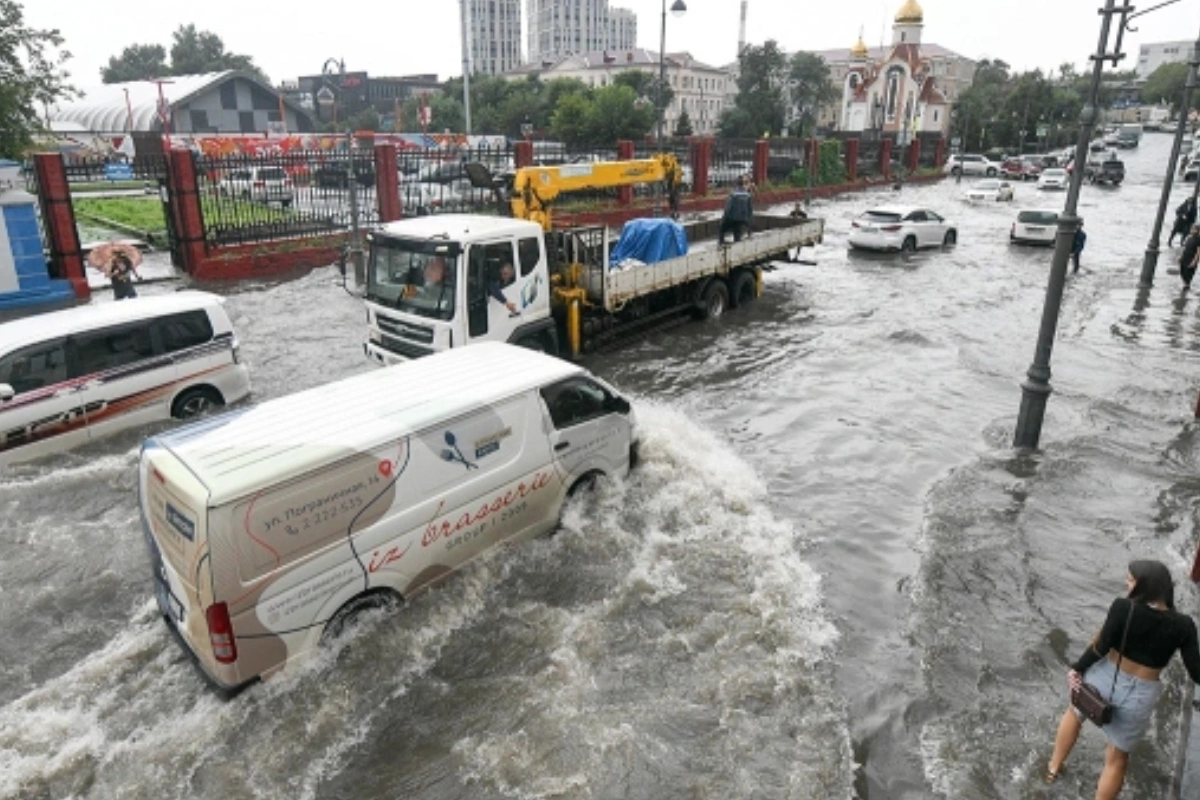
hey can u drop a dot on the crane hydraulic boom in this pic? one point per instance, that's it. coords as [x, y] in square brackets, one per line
[535, 189]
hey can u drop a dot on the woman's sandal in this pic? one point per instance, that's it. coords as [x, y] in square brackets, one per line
[1051, 776]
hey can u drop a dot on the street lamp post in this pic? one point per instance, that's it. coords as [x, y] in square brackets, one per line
[1036, 389]
[327, 99]
[1150, 260]
[677, 9]
[526, 128]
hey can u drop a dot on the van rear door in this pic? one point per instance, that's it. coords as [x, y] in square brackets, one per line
[174, 520]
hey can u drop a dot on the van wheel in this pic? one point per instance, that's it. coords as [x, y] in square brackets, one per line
[196, 401]
[714, 301]
[352, 613]
[585, 484]
[743, 292]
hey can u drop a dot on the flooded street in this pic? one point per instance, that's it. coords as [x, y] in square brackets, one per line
[830, 578]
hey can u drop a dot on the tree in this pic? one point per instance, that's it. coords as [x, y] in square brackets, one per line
[683, 126]
[809, 84]
[759, 103]
[138, 62]
[31, 77]
[569, 123]
[616, 114]
[1165, 84]
[192, 52]
[645, 84]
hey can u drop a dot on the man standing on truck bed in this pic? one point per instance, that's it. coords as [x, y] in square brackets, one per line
[739, 209]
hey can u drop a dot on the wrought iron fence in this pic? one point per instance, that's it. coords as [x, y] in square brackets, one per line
[731, 160]
[298, 194]
[435, 181]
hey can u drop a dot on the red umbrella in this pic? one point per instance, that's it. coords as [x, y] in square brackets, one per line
[101, 256]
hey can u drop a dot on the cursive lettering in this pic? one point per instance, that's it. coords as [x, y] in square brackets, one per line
[381, 560]
[444, 528]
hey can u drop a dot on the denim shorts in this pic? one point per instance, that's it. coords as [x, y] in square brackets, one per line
[1133, 702]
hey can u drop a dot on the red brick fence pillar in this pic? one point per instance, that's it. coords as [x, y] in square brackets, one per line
[701, 155]
[185, 208]
[762, 156]
[58, 215]
[851, 160]
[387, 183]
[625, 152]
[885, 159]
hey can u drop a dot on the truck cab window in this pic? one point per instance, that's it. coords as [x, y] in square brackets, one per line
[575, 400]
[530, 251]
[35, 367]
[413, 279]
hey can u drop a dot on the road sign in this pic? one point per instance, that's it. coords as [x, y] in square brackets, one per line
[1042, 130]
[118, 172]
[955, 142]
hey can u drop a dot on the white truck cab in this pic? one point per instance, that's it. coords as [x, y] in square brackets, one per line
[438, 282]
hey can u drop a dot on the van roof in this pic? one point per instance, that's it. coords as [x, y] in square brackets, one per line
[241, 452]
[456, 227]
[30, 330]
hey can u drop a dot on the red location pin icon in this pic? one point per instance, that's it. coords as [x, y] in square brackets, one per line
[385, 468]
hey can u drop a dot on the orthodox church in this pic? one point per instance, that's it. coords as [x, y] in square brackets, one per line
[898, 93]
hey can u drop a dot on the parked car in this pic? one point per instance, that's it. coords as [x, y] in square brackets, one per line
[73, 376]
[1034, 226]
[971, 164]
[260, 184]
[1025, 168]
[989, 189]
[336, 175]
[729, 172]
[902, 228]
[1109, 169]
[1053, 179]
[1192, 169]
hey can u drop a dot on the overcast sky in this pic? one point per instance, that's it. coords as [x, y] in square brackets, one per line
[402, 37]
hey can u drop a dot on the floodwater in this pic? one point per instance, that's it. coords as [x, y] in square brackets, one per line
[831, 578]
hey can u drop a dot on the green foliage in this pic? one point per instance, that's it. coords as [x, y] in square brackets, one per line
[646, 85]
[31, 77]
[1165, 84]
[831, 166]
[683, 125]
[570, 121]
[365, 120]
[192, 52]
[995, 110]
[759, 107]
[810, 85]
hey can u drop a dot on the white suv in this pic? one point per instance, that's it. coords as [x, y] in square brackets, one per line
[969, 164]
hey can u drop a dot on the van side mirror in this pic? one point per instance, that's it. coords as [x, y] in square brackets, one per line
[6, 393]
[618, 405]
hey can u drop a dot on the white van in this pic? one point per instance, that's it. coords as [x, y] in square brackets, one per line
[84, 373]
[271, 528]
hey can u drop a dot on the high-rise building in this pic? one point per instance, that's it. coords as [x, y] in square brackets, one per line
[557, 28]
[1152, 56]
[494, 35]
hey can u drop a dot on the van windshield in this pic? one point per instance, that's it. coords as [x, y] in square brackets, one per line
[413, 277]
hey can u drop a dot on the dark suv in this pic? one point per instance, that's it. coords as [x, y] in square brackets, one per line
[1107, 170]
[336, 175]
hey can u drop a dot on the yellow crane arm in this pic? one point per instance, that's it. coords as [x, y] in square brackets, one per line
[536, 188]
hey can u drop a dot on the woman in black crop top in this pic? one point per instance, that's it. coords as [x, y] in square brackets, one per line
[1155, 632]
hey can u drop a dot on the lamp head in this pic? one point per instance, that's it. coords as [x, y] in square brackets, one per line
[678, 8]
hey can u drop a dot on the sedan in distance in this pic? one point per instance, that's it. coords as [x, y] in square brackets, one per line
[1053, 179]
[1034, 226]
[989, 189]
[902, 228]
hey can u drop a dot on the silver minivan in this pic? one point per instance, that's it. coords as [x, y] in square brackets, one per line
[71, 376]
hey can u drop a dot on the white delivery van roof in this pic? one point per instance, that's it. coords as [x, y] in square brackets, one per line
[457, 227]
[242, 452]
[30, 330]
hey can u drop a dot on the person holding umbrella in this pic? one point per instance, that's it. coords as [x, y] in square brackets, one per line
[119, 262]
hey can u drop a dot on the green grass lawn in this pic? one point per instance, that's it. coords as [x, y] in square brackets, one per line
[108, 186]
[146, 214]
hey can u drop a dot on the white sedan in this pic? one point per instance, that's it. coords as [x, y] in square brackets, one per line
[902, 228]
[1053, 179]
[990, 189]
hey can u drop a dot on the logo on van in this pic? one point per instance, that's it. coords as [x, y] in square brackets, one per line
[180, 522]
[453, 454]
[490, 444]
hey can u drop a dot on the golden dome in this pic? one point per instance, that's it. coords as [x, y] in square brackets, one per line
[860, 48]
[910, 12]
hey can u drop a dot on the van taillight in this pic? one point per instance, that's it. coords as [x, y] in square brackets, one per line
[220, 633]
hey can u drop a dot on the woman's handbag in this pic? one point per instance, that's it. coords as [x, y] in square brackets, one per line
[1088, 699]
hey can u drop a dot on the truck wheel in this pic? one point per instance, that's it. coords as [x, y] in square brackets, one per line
[352, 612]
[743, 291]
[714, 301]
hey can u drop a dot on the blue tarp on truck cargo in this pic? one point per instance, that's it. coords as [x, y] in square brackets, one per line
[649, 241]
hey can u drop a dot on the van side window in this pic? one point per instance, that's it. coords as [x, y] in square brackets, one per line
[530, 252]
[35, 367]
[575, 400]
[181, 331]
[98, 351]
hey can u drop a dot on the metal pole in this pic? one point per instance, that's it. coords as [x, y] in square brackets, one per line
[662, 71]
[466, 61]
[1036, 389]
[355, 238]
[1150, 260]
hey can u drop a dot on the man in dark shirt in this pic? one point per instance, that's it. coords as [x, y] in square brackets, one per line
[1077, 246]
[739, 209]
[496, 288]
[1189, 256]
